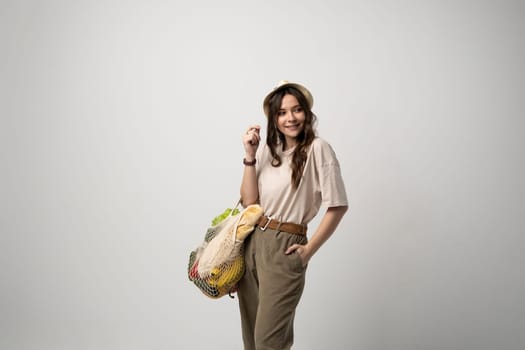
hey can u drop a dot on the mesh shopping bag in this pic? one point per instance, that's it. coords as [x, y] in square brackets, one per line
[217, 264]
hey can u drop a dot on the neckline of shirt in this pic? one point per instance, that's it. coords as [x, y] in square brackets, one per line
[288, 152]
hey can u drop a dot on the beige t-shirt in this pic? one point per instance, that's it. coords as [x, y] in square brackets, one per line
[321, 184]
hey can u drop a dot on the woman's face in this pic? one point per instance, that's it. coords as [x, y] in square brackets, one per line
[290, 119]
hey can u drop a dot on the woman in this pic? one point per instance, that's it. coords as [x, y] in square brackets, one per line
[290, 177]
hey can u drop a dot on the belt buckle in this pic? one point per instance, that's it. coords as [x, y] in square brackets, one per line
[269, 218]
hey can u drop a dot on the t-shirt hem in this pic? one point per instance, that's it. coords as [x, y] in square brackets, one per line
[334, 204]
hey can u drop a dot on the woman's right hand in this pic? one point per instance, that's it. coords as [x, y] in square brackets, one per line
[251, 141]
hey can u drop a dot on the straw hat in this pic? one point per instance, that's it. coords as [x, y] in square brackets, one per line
[283, 84]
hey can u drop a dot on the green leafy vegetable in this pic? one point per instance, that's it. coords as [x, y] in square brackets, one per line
[216, 220]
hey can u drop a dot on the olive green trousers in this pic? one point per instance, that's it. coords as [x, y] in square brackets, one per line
[270, 289]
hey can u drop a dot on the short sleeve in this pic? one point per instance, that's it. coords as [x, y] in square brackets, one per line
[331, 184]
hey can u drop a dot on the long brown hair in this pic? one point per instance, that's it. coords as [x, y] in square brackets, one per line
[304, 139]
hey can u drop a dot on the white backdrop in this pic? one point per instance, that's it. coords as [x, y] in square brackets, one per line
[120, 135]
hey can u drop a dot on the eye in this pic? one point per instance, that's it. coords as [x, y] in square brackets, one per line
[297, 110]
[281, 113]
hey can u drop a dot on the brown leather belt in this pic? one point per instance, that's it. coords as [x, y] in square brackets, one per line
[296, 229]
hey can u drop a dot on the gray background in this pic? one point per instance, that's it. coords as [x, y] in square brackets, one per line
[120, 138]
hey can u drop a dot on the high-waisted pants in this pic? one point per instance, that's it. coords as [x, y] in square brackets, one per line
[270, 289]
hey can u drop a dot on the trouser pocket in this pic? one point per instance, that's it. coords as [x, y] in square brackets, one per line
[292, 261]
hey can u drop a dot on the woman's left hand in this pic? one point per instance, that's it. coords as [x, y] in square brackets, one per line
[302, 250]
